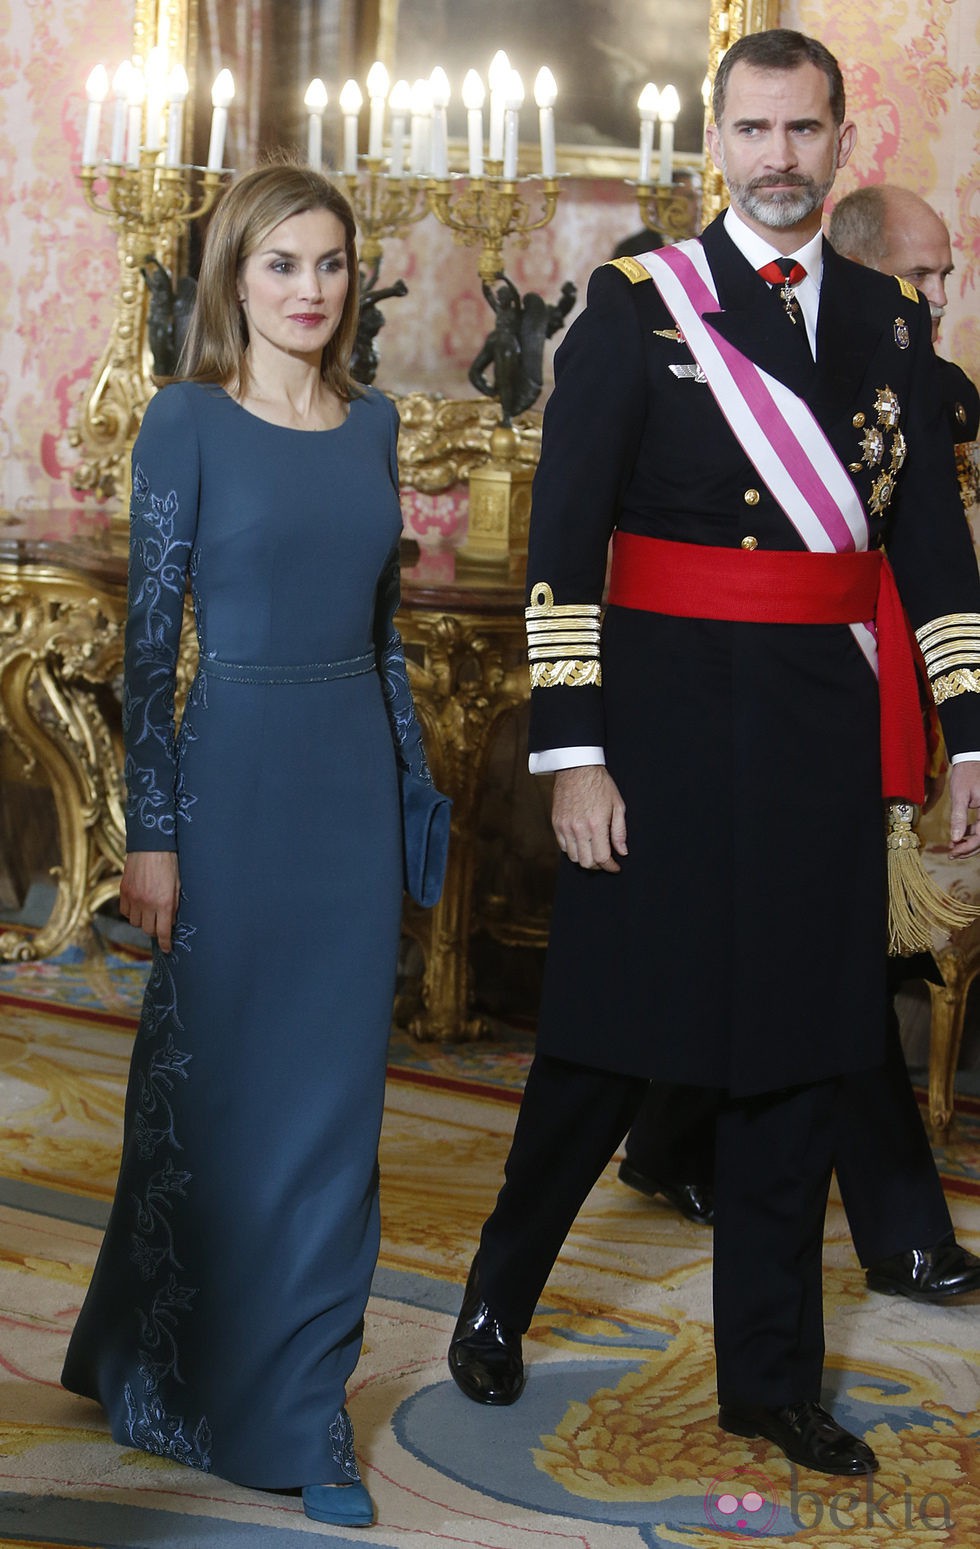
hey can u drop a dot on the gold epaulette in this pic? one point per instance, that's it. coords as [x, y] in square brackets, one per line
[562, 641]
[632, 268]
[950, 647]
[907, 288]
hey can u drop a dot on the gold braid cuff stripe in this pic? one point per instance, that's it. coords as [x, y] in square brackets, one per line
[963, 681]
[941, 662]
[567, 674]
[566, 635]
[953, 639]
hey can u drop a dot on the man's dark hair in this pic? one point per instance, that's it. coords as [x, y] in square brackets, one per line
[779, 49]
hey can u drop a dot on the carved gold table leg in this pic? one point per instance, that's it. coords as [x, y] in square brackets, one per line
[57, 641]
[471, 674]
[958, 963]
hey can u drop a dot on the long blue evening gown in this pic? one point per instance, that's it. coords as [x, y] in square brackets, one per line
[225, 1313]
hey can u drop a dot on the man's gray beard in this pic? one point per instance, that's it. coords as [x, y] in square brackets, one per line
[782, 209]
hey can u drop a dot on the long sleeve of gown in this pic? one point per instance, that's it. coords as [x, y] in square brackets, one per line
[405, 729]
[163, 524]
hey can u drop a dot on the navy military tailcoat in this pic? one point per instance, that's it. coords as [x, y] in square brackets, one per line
[743, 944]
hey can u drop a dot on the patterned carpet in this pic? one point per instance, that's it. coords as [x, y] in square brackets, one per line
[614, 1443]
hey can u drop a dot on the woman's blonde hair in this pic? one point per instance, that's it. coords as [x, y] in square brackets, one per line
[214, 350]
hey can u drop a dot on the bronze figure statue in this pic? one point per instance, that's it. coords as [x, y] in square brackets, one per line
[515, 345]
[371, 320]
[169, 314]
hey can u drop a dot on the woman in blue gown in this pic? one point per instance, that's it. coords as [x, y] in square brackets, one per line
[265, 856]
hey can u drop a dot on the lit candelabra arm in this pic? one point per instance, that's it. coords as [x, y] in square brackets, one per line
[383, 205]
[671, 210]
[149, 205]
[488, 210]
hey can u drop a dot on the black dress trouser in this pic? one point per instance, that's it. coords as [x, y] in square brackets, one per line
[889, 1185]
[774, 1162]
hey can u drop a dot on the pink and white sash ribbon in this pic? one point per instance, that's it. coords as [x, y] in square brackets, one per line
[773, 425]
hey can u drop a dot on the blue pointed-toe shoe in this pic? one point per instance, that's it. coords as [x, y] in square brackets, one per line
[346, 1505]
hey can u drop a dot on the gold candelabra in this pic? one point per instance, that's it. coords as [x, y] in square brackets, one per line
[489, 209]
[383, 206]
[669, 209]
[149, 205]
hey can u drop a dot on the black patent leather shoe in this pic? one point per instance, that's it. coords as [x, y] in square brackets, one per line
[927, 1274]
[805, 1432]
[485, 1357]
[695, 1201]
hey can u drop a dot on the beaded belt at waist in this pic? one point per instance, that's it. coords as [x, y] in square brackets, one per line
[288, 672]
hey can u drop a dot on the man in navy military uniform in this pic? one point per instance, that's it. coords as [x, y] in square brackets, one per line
[888, 1180]
[726, 742]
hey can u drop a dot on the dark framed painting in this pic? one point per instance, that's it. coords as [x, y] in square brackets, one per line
[601, 52]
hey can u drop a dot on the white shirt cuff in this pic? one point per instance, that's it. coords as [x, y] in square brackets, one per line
[564, 758]
[963, 758]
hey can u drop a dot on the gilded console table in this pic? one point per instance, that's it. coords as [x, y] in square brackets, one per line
[62, 614]
[464, 643]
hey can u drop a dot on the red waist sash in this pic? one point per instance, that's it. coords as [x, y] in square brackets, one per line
[688, 580]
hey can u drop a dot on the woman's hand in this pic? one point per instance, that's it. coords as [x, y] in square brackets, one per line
[149, 892]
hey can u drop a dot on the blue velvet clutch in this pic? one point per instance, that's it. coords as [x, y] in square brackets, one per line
[425, 829]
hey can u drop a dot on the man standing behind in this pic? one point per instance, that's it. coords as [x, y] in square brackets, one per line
[893, 230]
[728, 742]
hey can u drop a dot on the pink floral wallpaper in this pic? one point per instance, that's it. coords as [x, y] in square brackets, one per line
[57, 259]
[913, 71]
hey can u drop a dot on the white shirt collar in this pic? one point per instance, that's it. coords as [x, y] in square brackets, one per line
[759, 252]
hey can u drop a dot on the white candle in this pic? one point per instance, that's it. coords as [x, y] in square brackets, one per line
[420, 129]
[545, 92]
[96, 90]
[351, 103]
[156, 96]
[474, 96]
[315, 102]
[134, 127]
[377, 86]
[120, 91]
[647, 104]
[399, 106]
[497, 77]
[670, 106]
[178, 87]
[512, 109]
[222, 94]
[440, 93]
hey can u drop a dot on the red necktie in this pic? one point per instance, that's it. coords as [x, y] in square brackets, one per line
[783, 271]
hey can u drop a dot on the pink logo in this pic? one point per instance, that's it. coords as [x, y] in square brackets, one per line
[743, 1503]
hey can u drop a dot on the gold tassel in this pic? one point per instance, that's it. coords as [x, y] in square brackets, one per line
[916, 906]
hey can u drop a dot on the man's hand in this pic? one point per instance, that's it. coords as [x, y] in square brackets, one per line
[588, 816]
[964, 797]
[149, 893]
